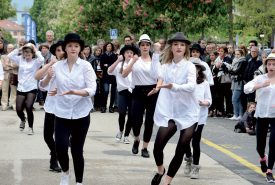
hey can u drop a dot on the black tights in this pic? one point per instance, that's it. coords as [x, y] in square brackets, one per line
[163, 136]
[261, 133]
[196, 140]
[25, 100]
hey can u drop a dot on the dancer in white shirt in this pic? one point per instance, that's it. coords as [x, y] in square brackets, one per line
[265, 114]
[124, 90]
[143, 81]
[58, 54]
[204, 99]
[177, 81]
[76, 82]
[28, 63]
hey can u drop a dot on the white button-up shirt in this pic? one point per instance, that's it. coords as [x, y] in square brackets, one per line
[180, 102]
[265, 97]
[122, 83]
[202, 93]
[141, 73]
[49, 105]
[26, 70]
[81, 77]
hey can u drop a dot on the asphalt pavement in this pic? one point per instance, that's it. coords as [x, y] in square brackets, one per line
[24, 159]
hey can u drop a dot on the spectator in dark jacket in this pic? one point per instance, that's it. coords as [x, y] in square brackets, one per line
[253, 64]
[107, 59]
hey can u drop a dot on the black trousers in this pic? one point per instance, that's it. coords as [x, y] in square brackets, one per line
[261, 133]
[49, 132]
[124, 105]
[76, 129]
[140, 103]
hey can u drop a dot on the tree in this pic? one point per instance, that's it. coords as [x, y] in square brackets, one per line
[6, 9]
[255, 18]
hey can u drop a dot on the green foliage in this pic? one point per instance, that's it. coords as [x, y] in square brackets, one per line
[7, 36]
[6, 9]
[57, 15]
[255, 18]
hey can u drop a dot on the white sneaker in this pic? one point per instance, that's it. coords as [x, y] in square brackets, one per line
[78, 183]
[239, 118]
[30, 131]
[195, 172]
[65, 178]
[126, 140]
[119, 136]
[188, 167]
[22, 125]
[234, 118]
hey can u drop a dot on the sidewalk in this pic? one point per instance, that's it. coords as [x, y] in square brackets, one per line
[24, 159]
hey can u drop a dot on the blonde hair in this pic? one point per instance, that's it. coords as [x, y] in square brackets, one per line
[167, 55]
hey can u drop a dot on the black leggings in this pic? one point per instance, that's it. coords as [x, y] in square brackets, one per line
[124, 105]
[196, 140]
[261, 133]
[49, 131]
[25, 100]
[163, 136]
[76, 129]
[140, 103]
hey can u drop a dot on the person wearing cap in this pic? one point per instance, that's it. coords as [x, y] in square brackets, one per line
[58, 53]
[177, 82]
[143, 81]
[124, 90]
[75, 82]
[28, 63]
[203, 95]
[265, 113]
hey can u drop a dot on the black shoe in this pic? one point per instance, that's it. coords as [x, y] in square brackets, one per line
[115, 108]
[263, 165]
[269, 177]
[54, 165]
[103, 110]
[111, 110]
[145, 153]
[157, 178]
[135, 147]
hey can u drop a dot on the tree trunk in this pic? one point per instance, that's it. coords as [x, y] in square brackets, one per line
[230, 20]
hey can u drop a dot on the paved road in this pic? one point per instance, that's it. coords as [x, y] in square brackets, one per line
[24, 159]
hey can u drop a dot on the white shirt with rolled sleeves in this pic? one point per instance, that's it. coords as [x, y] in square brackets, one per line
[265, 97]
[26, 70]
[208, 73]
[49, 105]
[81, 77]
[141, 73]
[122, 83]
[202, 93]
[179, 103]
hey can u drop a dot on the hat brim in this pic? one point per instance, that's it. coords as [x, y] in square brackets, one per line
[170, 41]
[195, 48]
[81, 42]
[145, 40]
[125, 48]
[54, 46]
[27, 47]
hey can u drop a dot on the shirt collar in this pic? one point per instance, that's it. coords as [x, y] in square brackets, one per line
[77, 61]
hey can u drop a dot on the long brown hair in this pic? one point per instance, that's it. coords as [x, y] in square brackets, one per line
[167, 55]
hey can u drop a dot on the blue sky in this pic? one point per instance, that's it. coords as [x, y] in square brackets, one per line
[22, 4]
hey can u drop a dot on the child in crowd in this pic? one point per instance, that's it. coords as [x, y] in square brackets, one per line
[248, 123]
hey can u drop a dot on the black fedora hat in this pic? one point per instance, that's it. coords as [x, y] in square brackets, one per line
[73, 37]
[128, 47]
[179, 36]
[55, 45]
[197, 47]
